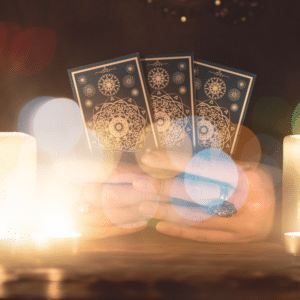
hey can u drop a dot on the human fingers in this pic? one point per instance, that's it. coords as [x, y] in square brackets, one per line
[126, 169]
[99, 223]
[201, 235]
[190, 213]
[164, 190]
[115, 196]
[155, 189]
[253, 221]
[167, 160]
[118, 188]
[93, 232]
[122, 216]
[109, 216]
[208, 165]
[181, 215]
[95, 217]
[90, 233]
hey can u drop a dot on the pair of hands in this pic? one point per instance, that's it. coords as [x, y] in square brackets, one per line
[120, 208]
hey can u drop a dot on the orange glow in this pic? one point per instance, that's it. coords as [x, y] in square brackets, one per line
[17, 182]
[248, 148]
[32, 50]
[3, 41]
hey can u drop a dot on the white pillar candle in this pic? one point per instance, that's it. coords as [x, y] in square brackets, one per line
[291, 184]
[17, 182]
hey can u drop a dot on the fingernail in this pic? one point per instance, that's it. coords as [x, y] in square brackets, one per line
[149, 159]
[165, 228]
[148, 209]
[142, 185]
[135, 225]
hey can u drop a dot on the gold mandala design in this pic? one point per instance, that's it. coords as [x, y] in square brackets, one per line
[118, 123]
[168, 110]
[213, 125]
[158, 78]
[215, 88]
[108, 85]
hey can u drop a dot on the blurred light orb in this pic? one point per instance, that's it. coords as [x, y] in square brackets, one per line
[56, 123]
[181, 129]
[28, 112]
[248, 149]
[189, 210]
[57, 222]
[272, 148]
[295, 123]
[271, 115]
[82, 164]
[209, 172]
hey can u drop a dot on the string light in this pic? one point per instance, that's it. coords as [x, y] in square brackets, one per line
[237, 11]
[229, 11]
[182, 10]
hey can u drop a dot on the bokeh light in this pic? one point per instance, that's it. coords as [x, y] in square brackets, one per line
[178, 153]
[272, 150]
[8, 32]
[214, 170]
[248, 149]
[271, 116]
[81, 165]
[32, 50]
[239, 197]
[150, 144]
[56, 221]
[56, 123]
[3, 42]
[120, 202]
[28, 112]
[295, 123]
[188, 210]
[191, 212]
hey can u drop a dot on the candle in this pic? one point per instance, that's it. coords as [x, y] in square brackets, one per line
[291, 184]
[57, 244]
[291, 194]
[17, 183]
[57, 236]
[292, 243]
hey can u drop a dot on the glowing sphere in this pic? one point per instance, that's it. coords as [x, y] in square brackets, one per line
[210, 177]
[56, 123]
[248, 149]
[296, 120]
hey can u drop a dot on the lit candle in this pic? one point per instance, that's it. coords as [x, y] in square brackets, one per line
[17, 183]
[57, 236]
[291, 193]
[56, 245]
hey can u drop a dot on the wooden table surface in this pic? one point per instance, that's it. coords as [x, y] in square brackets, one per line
[147, 265]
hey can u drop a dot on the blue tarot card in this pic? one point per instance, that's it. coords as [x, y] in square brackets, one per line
[114, 102]
[170, 80]
[222, 97]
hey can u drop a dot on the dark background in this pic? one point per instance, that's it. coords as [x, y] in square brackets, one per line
[88, 31]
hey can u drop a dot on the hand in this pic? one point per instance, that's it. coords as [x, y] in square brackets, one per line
[253, 198]
[114, 207]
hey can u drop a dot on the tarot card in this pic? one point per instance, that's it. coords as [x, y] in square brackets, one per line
[222, 97]
[170, 84]
[114, 102]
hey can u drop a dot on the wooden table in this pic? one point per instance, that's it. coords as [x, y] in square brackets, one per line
[147, 265]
